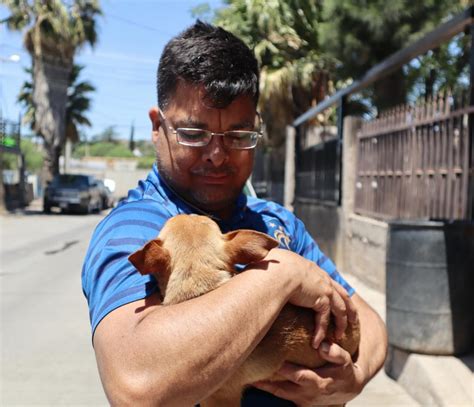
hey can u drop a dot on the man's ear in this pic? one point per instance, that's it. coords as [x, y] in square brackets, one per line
[154, 115]
[151, 258]
[247, 246]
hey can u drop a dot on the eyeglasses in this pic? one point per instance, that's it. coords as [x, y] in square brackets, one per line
[233, 139]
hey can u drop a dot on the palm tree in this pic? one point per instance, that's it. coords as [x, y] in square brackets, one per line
[54, 32]
[285, 38]
[78, 103]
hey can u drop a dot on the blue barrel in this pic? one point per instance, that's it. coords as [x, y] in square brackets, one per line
[430, 286]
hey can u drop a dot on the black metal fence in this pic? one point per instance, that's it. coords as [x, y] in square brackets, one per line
[318, 168]
[318, 172]
[267, 176]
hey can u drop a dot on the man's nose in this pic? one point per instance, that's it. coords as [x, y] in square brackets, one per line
[215, 152]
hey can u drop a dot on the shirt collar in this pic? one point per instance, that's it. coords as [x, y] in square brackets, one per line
[176, 205]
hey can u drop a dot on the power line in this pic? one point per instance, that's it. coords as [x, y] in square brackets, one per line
[145, 27]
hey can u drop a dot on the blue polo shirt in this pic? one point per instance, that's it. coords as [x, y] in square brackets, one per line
[109, 280]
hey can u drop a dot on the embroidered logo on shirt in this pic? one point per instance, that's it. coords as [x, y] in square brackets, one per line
[280, 235]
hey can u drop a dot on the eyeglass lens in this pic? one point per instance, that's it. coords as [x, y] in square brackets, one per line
[231, 139]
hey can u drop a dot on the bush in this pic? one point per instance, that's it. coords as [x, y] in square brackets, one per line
[102, 149]
[146, 162]
[33, 157]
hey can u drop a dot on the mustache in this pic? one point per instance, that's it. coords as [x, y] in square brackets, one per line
[209, 172]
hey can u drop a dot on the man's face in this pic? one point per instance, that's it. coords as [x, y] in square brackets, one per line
[210, 177]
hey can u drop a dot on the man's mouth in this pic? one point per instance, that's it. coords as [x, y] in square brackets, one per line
[214, 177]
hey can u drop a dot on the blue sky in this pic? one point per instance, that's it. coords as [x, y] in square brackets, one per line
[122, 66]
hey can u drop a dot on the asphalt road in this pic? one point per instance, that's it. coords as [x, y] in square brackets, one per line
[47, 357]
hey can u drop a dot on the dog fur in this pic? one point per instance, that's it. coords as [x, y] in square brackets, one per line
[191, 257]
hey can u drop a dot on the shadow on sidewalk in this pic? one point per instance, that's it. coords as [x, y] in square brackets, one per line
[468, 360]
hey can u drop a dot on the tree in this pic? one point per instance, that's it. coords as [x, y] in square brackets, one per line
[444, 69]
[108, 135]
[53, 32]
[78, 103]
[284, 35]
[362, 33]
[33, 157]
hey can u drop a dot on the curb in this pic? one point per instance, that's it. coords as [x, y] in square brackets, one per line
[433, 380]
[444, 381]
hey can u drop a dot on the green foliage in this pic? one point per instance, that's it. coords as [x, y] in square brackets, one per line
[33, 157]
[102, 149]
[202, 11]
[78, 102]
[445, 68]
[25, 98]
[362, 33]
[62, 26]
[304, 47]
[9, 161]
[146, 162]
[109, 135]
[147, 148]
[53, 31]
[285, 38]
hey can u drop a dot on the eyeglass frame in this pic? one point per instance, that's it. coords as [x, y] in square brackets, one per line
[212, 134]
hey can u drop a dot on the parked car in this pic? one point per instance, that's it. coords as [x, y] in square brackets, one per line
[108, 199]
[76, 192]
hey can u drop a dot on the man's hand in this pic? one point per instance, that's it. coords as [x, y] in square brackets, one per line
[335, 383]
[316, 290]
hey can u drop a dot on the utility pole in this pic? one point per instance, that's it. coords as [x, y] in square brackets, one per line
[132, 134]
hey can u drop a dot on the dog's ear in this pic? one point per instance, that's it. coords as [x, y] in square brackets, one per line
[151, 258]
[247, 246]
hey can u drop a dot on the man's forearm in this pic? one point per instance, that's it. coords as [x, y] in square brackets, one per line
[180, 354]
[373, 343]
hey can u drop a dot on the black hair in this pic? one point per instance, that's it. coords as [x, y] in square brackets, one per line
[210, 56]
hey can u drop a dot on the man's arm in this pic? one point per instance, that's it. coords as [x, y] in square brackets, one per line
[342, 379]
[180, 354]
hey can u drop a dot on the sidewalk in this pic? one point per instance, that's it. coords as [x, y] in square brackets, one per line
[422, 380]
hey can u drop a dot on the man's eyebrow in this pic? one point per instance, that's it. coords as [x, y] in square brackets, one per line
[246, 124]
[196, 124]
[190, 123]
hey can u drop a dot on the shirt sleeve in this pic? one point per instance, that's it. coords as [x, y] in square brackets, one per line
[109, 280]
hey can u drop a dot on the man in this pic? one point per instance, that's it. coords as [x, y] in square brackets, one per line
[205, 131]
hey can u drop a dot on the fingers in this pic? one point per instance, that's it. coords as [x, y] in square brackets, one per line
[325, 296]
[300, 385]
[341, 306]
[335, 301]
[297, 374]
[333, 353]
[322, 317]
[339, 309]
[284, 390]
[351, 309]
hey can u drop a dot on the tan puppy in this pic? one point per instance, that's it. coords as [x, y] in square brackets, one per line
[191, 257]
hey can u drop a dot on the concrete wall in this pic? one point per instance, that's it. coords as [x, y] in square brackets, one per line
[323, 222]
[356, 244]
[365, 246]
